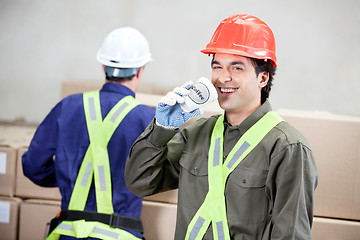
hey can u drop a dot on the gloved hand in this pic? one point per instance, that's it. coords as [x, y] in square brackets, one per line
[169, 114]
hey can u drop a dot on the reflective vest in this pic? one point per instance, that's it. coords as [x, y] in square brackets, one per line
[213, 209]
[96, 165]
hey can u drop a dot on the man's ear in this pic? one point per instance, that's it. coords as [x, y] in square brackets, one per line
[263, 78]
[139, 73]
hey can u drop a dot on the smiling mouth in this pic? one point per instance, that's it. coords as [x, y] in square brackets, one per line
[228, 90]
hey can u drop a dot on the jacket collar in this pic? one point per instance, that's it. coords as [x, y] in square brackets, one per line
[252, 119]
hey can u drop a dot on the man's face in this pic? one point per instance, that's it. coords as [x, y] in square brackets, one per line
[238, 87]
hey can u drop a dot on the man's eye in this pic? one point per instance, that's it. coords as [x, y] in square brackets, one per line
[237, 68]
[216, 67]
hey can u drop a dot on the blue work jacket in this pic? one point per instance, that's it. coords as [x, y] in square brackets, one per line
[58, 147]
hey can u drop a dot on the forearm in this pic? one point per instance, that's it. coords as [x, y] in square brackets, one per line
[39, 168]
[148, 170]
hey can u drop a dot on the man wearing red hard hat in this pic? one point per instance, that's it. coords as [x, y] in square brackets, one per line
[244, 174]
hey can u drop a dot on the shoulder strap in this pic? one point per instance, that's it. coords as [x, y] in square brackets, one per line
[213, 209]
[96, 160]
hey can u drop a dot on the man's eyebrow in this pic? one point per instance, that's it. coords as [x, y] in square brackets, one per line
[232, 63]
[238, 63]
[214, 62]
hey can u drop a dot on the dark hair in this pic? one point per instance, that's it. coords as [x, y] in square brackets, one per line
[119, 80]
[264, 66]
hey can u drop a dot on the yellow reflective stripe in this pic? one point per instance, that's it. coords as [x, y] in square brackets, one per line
[87, 174]
[92, 110]
[102, 176]
[253, 136]
[83, 183]
[118, 112]
[216, 158]
[220, 230]
[83, 229]
[213, 208]
[110, 234]
[238, 154]
[102, 181]
[196, 228]
[96, 157]
[102, 168]
[93, 119]
[98, 140]
[66, 226]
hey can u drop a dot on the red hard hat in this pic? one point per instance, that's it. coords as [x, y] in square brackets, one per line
[243, 35]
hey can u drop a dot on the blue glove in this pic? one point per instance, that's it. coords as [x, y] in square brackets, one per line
[169, 114]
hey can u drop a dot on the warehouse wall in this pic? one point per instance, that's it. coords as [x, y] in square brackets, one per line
[44, 43]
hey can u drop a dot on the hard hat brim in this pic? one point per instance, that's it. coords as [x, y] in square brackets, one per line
[257, 55]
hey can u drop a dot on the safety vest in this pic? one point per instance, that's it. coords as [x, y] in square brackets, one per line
[96, 165]
[213, 209]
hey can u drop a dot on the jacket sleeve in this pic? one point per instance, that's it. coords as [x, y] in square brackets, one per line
[153, 165]
[291, 183]
[38, 161]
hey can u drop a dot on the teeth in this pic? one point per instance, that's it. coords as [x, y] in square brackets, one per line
[227, 90]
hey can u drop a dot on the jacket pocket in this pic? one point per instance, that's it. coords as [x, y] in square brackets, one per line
[195, 164]
[193, 181]
[248, 177]
[245, 195]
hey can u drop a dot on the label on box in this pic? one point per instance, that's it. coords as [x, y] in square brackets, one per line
[2, 163]
[4, 212]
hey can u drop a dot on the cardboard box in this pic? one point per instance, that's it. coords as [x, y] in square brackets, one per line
[14, 141]
[16, 136]
[335, 229]
[335, 142]
[34, 218]
[25, 188]
[7, 171]
[9, 212]
[11, 138]
[159, 220]
[73, 87]
[164, 197]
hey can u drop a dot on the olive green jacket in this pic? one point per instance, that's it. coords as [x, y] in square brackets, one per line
[269, 195]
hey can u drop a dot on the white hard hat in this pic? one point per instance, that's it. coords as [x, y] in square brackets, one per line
[124, 47]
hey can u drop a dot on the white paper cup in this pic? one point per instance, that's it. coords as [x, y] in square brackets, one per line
[201, 93]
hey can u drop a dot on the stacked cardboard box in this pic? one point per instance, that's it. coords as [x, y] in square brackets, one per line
[159, 215]
[335, 142]
[9, 213]
[335, 229]
[35, 215]
[12, 138]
